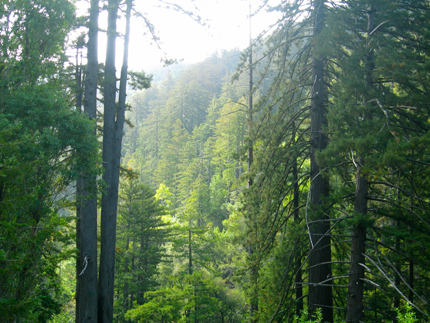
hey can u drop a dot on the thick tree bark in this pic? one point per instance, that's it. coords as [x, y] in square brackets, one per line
[79, 186]
[112, 141]
[111, 164]
[86, 293]
[320, 294]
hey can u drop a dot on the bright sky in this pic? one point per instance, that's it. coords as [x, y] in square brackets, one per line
[182, 38]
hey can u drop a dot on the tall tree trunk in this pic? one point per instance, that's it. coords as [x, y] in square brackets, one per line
[112, 139]
[78, 247]
[320, 294]
[79, 186]
[86, 293]
[354, 305]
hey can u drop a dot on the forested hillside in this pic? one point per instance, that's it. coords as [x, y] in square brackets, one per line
[289, 182]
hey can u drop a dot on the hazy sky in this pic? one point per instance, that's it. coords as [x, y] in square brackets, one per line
[227, 27]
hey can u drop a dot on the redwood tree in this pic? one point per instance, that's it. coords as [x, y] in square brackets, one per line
[86, 291]
[320, 294]
[111, 163]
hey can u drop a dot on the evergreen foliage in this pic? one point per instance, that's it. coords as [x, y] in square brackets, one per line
[44, 145]
[226, 206]
[142, 234]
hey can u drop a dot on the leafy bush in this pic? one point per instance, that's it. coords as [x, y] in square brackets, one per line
[408, 316]
[304, 317]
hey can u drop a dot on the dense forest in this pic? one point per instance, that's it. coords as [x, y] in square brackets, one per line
[288, 182]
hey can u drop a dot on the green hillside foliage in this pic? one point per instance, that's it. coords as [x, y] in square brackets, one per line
[217, 219]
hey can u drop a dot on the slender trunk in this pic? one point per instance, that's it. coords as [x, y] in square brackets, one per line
[111, 168]
[133, 268]
[190, 253]
[396, 301]
[250, 106]
[86, 293]
[142, 267]
[298, 260]
[253, 308]
[411, 262]
[123, 81]
[411, 281]
[126, 271]
[320, 294]
[190, 260]
[196, 305]
[354, 306]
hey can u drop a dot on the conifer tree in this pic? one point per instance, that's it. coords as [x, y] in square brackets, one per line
[319, 294]
[142, 234]
[86, 298]
[367, 125]
[354, 311]
[298, 92]
[114, 117]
